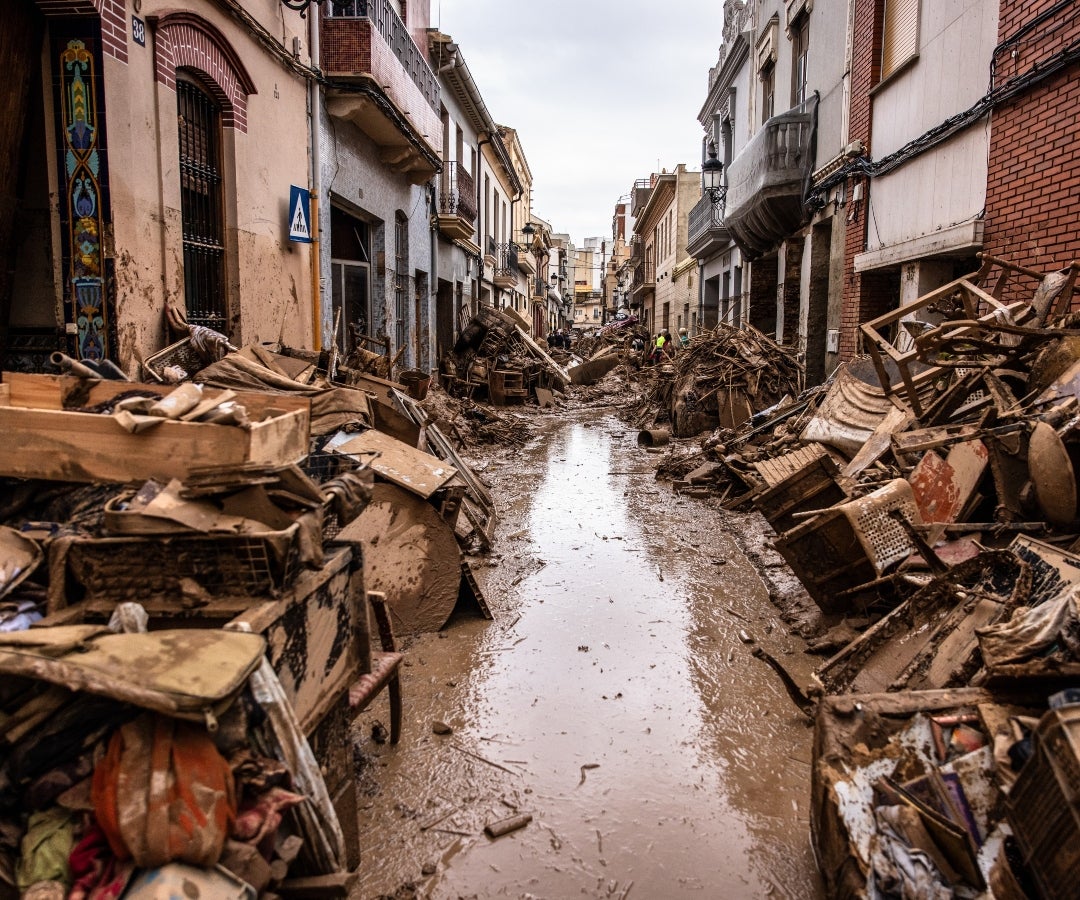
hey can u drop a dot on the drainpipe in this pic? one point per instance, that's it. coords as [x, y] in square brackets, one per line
[480, 217]
[315, 100]
[433, 282]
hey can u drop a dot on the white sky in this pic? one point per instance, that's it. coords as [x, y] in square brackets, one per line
[601, 92]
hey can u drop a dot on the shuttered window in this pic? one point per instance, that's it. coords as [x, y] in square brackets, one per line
[901, 38]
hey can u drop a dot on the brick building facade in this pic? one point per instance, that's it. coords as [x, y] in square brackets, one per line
[866, 294]
[1033, 190]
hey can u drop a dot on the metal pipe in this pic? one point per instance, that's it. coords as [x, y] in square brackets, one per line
[70, 366]
[315, 100]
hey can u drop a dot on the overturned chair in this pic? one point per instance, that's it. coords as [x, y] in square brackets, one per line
[385, 664]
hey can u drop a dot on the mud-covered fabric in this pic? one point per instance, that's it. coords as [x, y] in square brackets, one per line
[163, 792]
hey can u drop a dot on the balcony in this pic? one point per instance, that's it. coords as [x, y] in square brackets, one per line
[526, 262]
[457, 203]
[765, 181]
[506, 265]
[644, 275]
[380, 82]
[644, 281]
[640, 195]
[706, 232]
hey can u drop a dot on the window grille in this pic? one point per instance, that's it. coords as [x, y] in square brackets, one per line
[199, 117]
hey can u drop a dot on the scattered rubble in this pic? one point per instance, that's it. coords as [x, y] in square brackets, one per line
[155, 603]
[926, 497]
[214, 518]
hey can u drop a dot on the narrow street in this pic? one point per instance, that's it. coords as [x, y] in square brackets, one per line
[613, 698]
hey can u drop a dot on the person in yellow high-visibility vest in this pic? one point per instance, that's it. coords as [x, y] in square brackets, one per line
[658, 347]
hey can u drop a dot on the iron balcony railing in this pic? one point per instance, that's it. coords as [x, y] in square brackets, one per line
[506, 260]
[644, 274]
[458, 194]
[706, 214]
[705, 219]
[388, 23]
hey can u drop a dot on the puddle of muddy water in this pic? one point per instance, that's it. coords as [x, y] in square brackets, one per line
[613, 700]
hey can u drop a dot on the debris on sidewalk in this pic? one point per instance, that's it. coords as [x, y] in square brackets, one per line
[496, 360]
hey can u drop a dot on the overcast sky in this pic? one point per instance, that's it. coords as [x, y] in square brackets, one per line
[601, 92]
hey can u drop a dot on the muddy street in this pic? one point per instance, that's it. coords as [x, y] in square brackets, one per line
[614, 699]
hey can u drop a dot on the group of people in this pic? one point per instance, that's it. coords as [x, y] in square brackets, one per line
[662, 345]
[559, 339]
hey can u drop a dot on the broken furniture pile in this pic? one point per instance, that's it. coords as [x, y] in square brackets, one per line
[720, 380]
[135, 703]
[928, 496]
[225, 512]
[495, 359]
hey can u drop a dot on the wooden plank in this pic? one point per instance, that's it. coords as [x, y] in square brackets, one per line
[896, 420]
[49, 442]
[318, 887]
[412, 469]
[49, 391]
[68, 446]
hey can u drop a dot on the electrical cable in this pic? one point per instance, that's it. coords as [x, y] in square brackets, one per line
[994, 97]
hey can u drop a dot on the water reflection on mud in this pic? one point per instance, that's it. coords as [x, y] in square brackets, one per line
[612, 699]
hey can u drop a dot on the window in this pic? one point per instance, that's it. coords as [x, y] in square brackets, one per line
[347, 9]
[350, 276]
[901, 38]
[401, 278]
[199, 117]
[800, 47]
[768, 93]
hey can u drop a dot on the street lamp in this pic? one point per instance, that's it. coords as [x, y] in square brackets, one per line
[712, 176]
[527, 232]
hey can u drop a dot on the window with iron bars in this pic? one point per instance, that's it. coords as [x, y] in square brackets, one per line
[401, 278]
[202, 228]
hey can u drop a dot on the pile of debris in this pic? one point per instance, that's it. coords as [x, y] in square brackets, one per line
[927, 498]
[188, 568]
[719, 381]
[495, 359]
[619, 334]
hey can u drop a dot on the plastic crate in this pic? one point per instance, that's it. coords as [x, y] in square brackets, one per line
[1044, 804]
[851, 543]
[131, 568]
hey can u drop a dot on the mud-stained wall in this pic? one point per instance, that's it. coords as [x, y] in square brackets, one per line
[354, 178]
[264, 151]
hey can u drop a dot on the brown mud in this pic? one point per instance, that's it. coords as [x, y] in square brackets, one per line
[614, 699]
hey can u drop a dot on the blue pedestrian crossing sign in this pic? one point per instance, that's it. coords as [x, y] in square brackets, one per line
[299, 214]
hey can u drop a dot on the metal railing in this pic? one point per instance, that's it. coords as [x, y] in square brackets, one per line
[705, 216]
[644, 274]
[457, 195]
[396, 34]
[506, 260]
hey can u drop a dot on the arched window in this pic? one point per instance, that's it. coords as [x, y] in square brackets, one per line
[201, 204]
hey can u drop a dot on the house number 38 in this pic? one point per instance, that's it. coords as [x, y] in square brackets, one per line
[138, 31]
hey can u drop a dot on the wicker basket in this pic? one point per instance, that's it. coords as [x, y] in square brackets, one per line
[181, 354]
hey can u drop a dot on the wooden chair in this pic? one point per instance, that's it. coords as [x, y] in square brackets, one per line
[384, 673]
